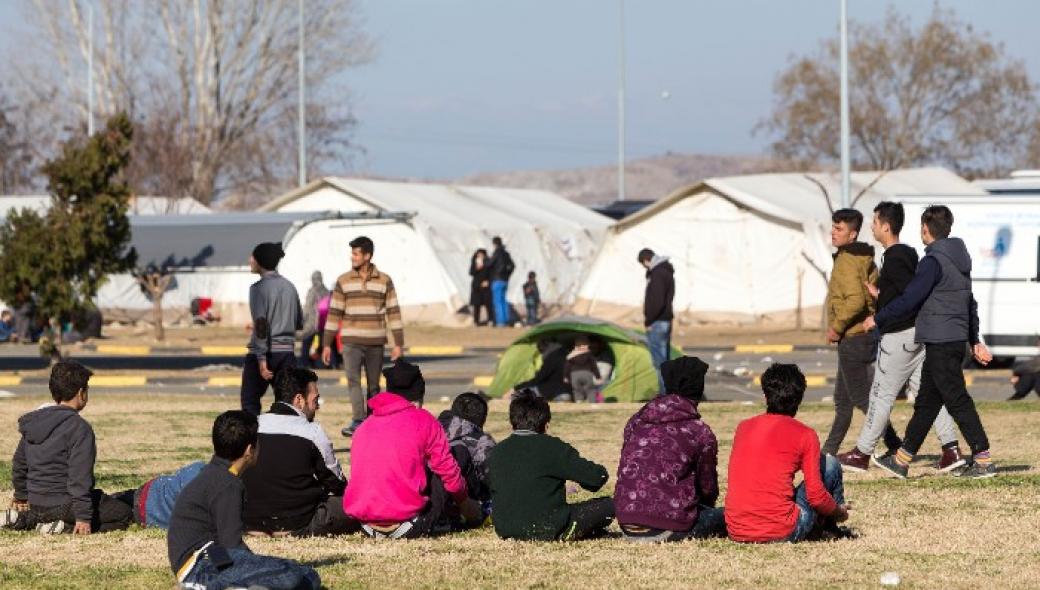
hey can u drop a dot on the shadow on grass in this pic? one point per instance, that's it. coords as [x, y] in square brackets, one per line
[328, 561]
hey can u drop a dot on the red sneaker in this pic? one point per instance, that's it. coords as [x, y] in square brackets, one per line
[854, 461]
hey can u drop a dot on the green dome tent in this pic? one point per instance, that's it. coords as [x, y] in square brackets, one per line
[633, 378]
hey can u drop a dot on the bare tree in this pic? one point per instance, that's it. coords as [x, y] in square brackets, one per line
[155, 281]
[16, 156]
[212, 83]
[941, 94]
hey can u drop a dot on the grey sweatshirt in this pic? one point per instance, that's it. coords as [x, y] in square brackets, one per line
[54, 462]
[275, 308]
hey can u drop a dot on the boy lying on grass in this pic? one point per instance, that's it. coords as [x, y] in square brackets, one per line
[528, 472]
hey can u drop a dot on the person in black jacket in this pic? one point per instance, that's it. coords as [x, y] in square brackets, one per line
[502, 268]
[480, 287]
[297, 486]
[205, 544]
[548, 381]
[657, 308]
[53, 467]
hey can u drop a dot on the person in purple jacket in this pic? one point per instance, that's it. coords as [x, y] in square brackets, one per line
[667, 482]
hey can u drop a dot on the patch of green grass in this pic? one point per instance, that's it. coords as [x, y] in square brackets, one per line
[69, 575]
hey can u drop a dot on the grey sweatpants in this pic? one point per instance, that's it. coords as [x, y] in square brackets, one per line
[583, 385]
[370, 358]
[899, 363]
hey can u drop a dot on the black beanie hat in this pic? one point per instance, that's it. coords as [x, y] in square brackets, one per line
[684, 376]
[268, 254]
[406, 380]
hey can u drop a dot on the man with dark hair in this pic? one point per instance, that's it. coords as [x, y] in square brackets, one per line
[404, 475]
[502, 268]
[528, 472]
[667, 479]
[205, 544]
[53, 467]
[848, 304]
[899, 356]
[275, 309]
[470, 445]
[365, 301]
[657, 308]
[767, 452]
[947, 321]
[296, 487]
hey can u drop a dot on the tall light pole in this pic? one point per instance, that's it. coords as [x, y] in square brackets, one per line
[621, 101]
[844, 104]
[90, 69]
[301, 123]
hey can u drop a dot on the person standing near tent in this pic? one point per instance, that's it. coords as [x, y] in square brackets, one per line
[657, 308]
[275, 308]
[480, 287]
[502, 268]
[365, 301]
[848, 304]
[315, 294]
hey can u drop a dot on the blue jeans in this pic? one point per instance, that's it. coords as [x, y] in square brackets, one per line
[659, 341]
[830, 468]
[498, 300]
[250, 569]
[532, 311]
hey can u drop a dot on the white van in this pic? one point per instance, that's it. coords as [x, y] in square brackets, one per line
[1002, 234]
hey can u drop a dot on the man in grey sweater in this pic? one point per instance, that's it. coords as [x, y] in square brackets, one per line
[53, 467]
[275, 308]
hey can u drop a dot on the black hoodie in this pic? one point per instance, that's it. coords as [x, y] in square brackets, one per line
[660, 290]
[54, 462]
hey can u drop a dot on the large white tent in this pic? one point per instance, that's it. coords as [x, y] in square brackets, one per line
[750, 248]
[428, 255]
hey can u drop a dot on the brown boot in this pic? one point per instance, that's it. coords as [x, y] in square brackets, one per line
[854, 461]
[951, 459]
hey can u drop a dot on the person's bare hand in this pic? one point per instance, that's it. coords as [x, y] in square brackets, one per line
[869, 323]
[982, 354]
[395, 353]
[81, 528]
[843, 513]
[264, 371]
[872, 289]
[249, 327]
[832, 336]
[326, 356]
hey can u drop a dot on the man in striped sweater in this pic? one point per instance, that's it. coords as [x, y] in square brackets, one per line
[364, 304]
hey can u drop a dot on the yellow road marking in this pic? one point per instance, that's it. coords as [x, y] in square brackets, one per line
[223, 350]
[763, 348]
[435, 350]
[127, 350]
[483, 380]
[118, 380]
[810, 380]
[225, 381]
[10, 380]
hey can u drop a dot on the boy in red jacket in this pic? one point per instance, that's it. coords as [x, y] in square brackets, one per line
[761, 506]
[403, 475]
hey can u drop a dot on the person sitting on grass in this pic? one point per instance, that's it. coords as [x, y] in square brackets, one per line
[205, 544]
[667, 482]
[528, 472]
[403, 475]
[548, 380]
[153, 502]
[470, 445]
[53, 467]
[768, 450]
[296, 486]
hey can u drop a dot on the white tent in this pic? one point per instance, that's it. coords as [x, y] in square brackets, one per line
[745, 248]
[429, 255]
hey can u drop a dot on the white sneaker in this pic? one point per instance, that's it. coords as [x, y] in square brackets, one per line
[53, 528]
[8, 518]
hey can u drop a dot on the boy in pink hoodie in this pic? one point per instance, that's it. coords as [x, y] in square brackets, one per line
[402, 473]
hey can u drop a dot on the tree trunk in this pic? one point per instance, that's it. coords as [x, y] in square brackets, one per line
[157, 316]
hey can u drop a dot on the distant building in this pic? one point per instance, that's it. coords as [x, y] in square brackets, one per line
[1021, 182]
[145, 205]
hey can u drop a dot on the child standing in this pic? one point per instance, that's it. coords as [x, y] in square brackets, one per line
[532, 299]
[761, 506]
[528, 472]
[205, 539]
[53, 467]
[581, 371]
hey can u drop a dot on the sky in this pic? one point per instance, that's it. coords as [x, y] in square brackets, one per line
[466, 86]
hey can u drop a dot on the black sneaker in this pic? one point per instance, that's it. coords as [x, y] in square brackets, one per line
[892, 466]
[976, 471]
[349, 429]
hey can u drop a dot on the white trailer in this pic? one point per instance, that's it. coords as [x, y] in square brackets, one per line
[1002, 234]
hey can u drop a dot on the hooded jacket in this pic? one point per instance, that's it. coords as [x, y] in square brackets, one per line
[54, 462]
[388, 460]
[668, 466]
[660, 291]
[463, 432]
[848, 302]
[315, 294]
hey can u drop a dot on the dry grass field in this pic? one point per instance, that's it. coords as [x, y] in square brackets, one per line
[935, 531]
